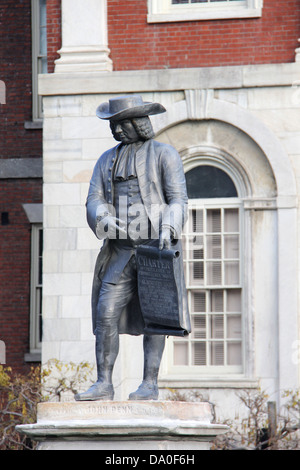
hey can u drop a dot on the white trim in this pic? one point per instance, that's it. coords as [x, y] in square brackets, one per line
[162, 11]
[37, 112]
[35, 290]
[84, 38]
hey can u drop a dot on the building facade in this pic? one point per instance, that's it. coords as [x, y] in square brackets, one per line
[228, 74]
[20, 182]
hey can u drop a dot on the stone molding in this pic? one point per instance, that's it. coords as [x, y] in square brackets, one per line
[139, 81]
[84, 38]
[124, 425]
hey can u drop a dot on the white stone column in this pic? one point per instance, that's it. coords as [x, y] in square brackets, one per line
[84, 37]
[298, 53]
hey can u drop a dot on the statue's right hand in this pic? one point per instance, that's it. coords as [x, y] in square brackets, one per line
[108, 227]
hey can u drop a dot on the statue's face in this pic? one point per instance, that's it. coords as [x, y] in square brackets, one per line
[124, 131]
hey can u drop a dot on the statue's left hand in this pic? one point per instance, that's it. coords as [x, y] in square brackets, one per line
[165, 238]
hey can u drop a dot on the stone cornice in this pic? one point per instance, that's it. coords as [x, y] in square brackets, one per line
[244, 76]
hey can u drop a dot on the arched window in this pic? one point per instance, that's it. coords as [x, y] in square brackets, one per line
[206, 181]
[212, 259]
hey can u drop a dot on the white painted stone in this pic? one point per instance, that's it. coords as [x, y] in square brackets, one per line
[78, 171]
[76, 306]
[62, 329]
[86, 239]
[53, 171]
[60, 150]
[61, 284]
[88, 127]
[51, 216]
[77, 351]
[84, 37]
[62, 106]
[51, 306]
[81, 261]
[87, 281]
[86, 333]
[52, 261]
[60, 239]
[169, 80]
[60, 194]
[52, 129]
[92, 149]
[72, 216]
[273, 98]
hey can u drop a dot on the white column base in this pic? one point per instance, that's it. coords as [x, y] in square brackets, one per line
[83, 59]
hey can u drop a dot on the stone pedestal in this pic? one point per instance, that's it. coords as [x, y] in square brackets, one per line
[122, 426]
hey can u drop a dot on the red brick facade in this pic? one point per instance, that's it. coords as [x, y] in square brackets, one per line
[53, 32]
[137, 45]
[15, 241]
[16, 142]
[16, 72]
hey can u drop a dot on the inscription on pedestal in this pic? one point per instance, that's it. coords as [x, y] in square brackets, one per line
[51, 412]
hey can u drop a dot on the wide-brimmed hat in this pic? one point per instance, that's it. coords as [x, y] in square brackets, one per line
[127, 107]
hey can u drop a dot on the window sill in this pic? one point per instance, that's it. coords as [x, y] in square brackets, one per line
[33, 357]
[204, 15]
[187, 383]
[33, 125]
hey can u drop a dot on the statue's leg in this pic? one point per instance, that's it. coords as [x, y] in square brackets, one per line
[112, 300]
[153, 351]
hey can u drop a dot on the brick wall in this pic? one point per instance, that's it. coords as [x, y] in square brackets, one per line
[16, 142]
[53, 32]
[15, 71]
[135, 44]
[15, 239]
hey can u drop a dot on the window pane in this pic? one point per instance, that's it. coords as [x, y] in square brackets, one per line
[234, 327]
[217, 326]
[234, 354]
[199, 327]
[181, 354]
[214, 273]
[232, 273]
[231, 220]
[206, 181]
[214, 220]
[217, 304]
[199, 354]
[197, 220]
[199, 302]
[231, 246]
[213, 246]
[234, 301]
[217, 353]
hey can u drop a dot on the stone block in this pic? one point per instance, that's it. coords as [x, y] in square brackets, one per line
[61, 284]
[108, 425]
[62, 194]
[58, 329]
[78, 171]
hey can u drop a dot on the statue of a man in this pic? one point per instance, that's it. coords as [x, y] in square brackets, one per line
[133, 191]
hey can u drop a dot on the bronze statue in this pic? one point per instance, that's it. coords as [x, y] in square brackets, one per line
[137, 196]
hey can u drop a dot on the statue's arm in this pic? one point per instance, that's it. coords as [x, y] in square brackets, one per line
[101, 214]
[174, 186]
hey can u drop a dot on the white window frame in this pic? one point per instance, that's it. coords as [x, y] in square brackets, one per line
[213, 371]
[35, 289]
[162, 11]
[37, 57]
